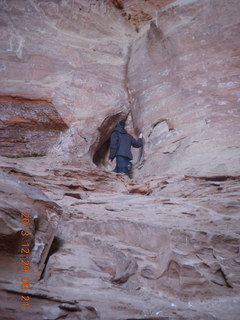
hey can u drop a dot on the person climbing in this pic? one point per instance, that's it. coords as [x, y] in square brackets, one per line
[120, 148]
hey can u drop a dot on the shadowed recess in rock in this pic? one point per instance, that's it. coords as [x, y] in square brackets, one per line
[28, 127]
[55, 246]
[101, 146]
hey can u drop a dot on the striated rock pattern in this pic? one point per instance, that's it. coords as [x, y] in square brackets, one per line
[57, 60]
[164, 246]
[183, 76]
[29, 222]
[64, 54]
[28, 127]
[167, 248]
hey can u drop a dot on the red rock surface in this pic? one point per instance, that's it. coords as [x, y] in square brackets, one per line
[29, 222]
[70, 54]
[184, 80]
[139, 12]
[28, 127]
[170, 253]
[164, 246]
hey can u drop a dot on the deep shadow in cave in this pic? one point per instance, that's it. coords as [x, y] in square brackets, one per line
[101, 147]
[101, 154]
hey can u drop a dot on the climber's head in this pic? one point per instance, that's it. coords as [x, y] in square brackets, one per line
[121, 123]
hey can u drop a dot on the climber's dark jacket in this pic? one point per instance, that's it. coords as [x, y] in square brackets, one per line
[121, 142]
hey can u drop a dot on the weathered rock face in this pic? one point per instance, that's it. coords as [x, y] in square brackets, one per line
[77, 69]
[164, 246]
[183, 76]
[28, 225]
[139, 12]
[66, 55]
[164, 249]
[28, 127]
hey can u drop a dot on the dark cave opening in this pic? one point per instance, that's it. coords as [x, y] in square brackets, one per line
[101, 147]
[101, 154]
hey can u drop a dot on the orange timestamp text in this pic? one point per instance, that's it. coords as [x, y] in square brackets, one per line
[25, 251]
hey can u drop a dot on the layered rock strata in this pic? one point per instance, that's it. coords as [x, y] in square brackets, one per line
[183, 77]
[180, 81]
[167, 248]
[163, 246]
[29, 221]
[72, 57]
[28, 127]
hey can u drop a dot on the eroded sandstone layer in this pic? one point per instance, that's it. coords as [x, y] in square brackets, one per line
[167, 248]
[28, 127]
[184, 80]
[164, 246]
[71, 55]
[29, 221]
[85, 63]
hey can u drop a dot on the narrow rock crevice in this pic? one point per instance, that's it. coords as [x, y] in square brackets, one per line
[55, 247]
[220, 178]
[222, 275]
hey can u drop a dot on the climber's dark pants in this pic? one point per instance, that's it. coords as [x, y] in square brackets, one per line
[122, 165]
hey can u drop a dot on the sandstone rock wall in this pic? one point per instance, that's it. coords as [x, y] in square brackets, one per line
[28, 127]
[68, 54]
[29, 222]
[164, 246]
[180, 77]
[183, 76]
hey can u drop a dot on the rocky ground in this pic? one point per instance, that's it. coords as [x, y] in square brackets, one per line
[166, 247]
